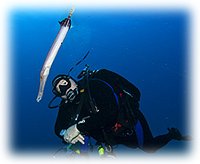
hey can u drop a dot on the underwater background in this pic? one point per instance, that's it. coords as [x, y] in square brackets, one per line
[149, 48]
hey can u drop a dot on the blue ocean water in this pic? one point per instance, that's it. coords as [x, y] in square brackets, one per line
[149, 48]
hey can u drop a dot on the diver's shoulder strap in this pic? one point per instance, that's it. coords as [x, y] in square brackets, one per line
[82, 100]
[94, 108]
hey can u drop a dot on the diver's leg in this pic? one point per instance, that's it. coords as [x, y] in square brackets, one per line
[147, 135]
[158, 142]
[162, 140]
[151, 143]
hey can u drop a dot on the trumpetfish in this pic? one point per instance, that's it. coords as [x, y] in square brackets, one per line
[65, 25]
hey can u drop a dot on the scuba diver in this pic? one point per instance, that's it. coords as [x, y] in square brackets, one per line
[105, 106]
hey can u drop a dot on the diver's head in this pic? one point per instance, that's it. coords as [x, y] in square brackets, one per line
[65, 87]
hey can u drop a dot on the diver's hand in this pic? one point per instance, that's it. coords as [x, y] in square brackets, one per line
[72, 135]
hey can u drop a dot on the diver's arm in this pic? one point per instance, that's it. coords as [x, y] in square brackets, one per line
[63, 119]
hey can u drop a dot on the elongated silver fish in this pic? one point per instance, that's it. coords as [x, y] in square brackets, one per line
[64, 28]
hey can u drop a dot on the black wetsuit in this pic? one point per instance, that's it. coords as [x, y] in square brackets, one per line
[91, 123]
[100, 125]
